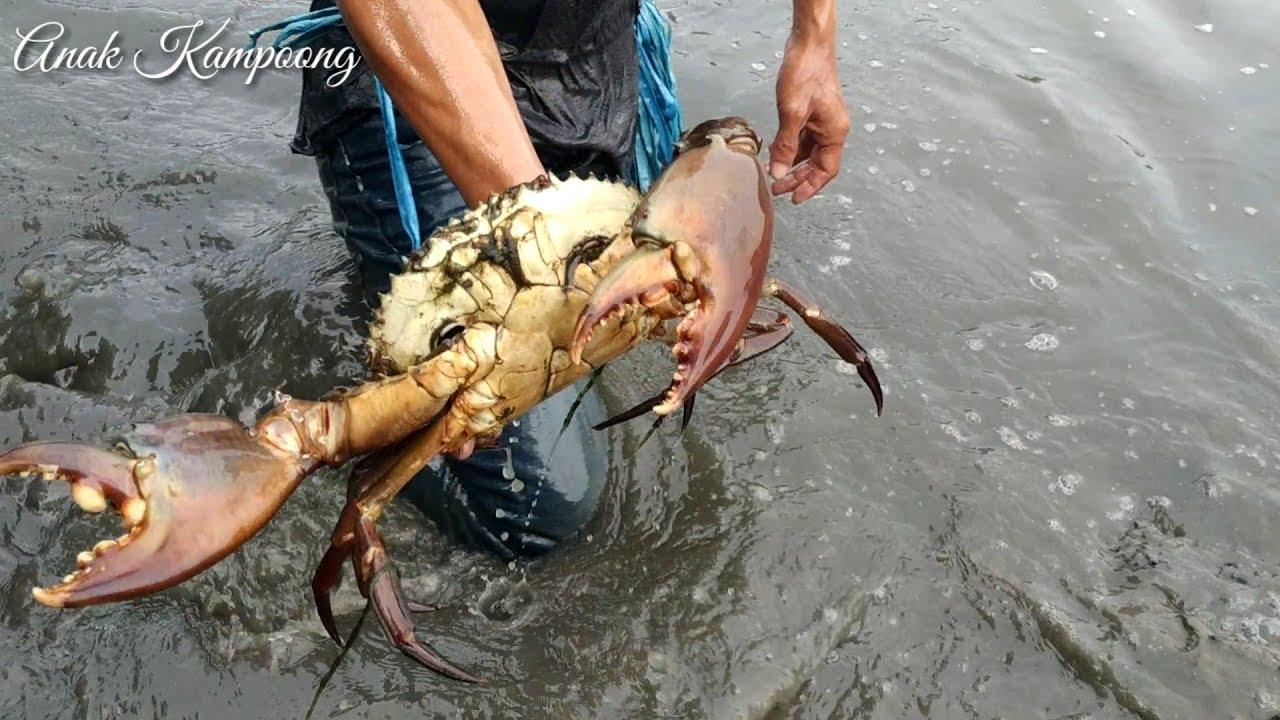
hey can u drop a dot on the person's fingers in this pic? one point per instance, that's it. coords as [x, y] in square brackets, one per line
[825, 161]
[806, 190]
[792, 115]
[789, 182]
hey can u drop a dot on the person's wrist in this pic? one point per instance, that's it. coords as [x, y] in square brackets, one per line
[813, 29]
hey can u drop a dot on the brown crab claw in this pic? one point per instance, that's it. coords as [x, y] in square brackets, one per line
[190, 489]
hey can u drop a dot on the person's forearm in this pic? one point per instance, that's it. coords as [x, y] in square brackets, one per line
[814, 21]
[439, 62]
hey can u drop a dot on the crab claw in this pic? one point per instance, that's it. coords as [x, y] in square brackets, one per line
[705, 230]
[190, 489]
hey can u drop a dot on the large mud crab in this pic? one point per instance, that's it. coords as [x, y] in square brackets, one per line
[515, 300]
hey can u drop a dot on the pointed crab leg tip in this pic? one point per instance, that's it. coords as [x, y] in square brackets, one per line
[868, 375]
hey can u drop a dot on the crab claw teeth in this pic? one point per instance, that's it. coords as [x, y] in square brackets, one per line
[643, 279]
[101, 571]
[96, 476]
[88, 498]
[133, 510]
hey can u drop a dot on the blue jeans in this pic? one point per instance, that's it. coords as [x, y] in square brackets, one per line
[537, 486]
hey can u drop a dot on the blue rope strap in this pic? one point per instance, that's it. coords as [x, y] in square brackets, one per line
[657, 123]
[298, 30]
[399, 173]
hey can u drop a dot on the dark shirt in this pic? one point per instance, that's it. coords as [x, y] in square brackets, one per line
[573, 71]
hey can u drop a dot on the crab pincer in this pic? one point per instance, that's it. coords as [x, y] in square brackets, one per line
[190, 490]
[704, 233]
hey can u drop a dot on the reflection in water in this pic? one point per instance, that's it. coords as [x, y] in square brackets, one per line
[1057, 227]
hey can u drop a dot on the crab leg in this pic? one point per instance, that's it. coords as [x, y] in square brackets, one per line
[382, 587]
[836, 336]
[373, 486]
[328, 574]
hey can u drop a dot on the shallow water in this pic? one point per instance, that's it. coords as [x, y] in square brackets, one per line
[1057, 227]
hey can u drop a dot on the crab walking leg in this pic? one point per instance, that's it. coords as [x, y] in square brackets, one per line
[356, 536]
[836, 336]
[328, 574]
[764, 337]
[382, 584]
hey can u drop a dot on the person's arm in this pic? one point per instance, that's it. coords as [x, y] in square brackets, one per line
[439, 63]
[813, 120]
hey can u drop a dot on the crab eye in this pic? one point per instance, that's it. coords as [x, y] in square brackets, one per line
[447, 335]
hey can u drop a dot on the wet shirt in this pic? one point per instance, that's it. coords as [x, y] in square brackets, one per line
[572, 67]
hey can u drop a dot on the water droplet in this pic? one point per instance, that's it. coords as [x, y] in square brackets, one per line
[875, 64]
[1205, 28]
[1124, 509]
[928, 147]
[1067, 483]
[1250, 210]
[508, 467]
[1009, 437]
[1099, 34]
[1043, 280]
[908, 186]
[1039, 51]
[975, 344]
[1043, 342]
[1248, 70]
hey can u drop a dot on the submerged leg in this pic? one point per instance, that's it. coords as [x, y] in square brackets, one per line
[381, 583]
[373, 484]
[328, 574]
[836, 336]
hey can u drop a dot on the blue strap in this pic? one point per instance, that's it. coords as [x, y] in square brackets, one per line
[399, 173]
[301, 30]
[658, 120]
[298, 30]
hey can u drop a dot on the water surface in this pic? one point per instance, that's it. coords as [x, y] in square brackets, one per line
[1057, 227]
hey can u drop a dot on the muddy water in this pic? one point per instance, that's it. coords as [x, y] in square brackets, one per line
[1057, 227]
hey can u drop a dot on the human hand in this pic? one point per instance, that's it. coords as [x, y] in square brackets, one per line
[813, 120]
